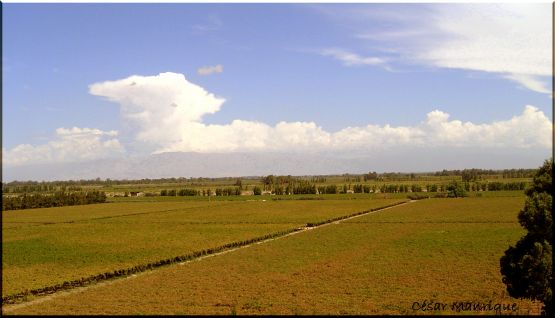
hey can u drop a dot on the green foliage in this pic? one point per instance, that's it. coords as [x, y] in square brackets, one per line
[268, 181]
[329, 189]
[359, 188]
[303, 187]
[345, 188]
[416, 188]
[188, 192]
[257, 191]
[366, 188]
[228, 191]
[57, 199]
[417, 196]
[527, 268]
[500, 186]
[370, 176]
[318, 179]
[456, 190]
[278, 190]
[537, 216]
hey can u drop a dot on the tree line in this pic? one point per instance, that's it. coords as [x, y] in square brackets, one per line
[474, 174]
[306, 187]
[296, 186]
[203, 192]
[29, 188]
[467, 174]
[110, 182]
[57, 199]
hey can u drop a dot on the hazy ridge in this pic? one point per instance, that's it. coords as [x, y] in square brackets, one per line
[187, 164]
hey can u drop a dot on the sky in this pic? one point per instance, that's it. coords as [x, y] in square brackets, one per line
[94, 81]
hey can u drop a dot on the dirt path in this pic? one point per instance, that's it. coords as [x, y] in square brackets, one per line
[41, 299]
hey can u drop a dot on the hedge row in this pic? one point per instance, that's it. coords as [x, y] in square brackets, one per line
[418, 196]
[310, 224]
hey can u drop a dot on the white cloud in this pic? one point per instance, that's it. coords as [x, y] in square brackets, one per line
[166, 114]
[148, 105]
[352, 59]
[209, 70]
[160, 106]
[527, 130]
[73, 144]
[531, 82]
[512, 40]
[508, 38]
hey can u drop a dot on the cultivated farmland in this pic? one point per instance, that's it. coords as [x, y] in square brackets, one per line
[440, 250]
[45, 247]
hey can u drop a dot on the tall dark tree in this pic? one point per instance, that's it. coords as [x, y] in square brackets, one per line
[527, 268]
[257, 191]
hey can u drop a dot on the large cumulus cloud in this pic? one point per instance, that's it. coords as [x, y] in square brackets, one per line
[168, 111]
[166, 114]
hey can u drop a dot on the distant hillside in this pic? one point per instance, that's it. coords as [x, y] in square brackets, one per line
[180, 164]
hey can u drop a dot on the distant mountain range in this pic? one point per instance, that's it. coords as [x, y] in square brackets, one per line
[186, 164]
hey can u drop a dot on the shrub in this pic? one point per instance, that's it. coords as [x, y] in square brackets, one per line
[456, 190]
[417, 196]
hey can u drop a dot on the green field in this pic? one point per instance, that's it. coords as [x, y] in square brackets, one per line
[44, 247]
[443, 250]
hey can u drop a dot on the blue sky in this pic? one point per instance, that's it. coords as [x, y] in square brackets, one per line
[336, 66]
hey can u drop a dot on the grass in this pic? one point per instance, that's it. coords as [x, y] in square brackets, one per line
[44, 247]
[503, 193]
[380, 263]
[45, 216]
[454, 210]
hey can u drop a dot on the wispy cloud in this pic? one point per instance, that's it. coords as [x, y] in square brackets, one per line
[513, 41]
[352, 59]
[211, 23]
[209, 70]
[530, 82]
